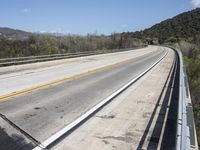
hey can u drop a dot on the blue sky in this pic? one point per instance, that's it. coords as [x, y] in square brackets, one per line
[89, 16]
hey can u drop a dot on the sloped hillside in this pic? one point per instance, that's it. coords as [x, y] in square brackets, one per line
[12, 33]
[183, 26]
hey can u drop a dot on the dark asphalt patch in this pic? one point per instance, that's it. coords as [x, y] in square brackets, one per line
[13, 142]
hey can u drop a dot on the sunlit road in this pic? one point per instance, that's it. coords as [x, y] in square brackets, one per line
[44, 111]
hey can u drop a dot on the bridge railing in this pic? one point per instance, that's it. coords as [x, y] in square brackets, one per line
[32, 59]
[186, 133]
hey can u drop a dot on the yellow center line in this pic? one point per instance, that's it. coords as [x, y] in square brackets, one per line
[28, 90]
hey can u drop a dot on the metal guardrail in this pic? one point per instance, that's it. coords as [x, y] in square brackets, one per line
[185, 134]
[32, 59]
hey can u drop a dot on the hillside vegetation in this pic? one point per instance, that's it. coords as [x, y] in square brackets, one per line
[185, 26]
[39, 44]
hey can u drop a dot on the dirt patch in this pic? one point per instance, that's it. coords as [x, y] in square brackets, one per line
[27, 116]
[126, 139]
[106, 142]
[106, 117]
[36, 108]
[129, 134]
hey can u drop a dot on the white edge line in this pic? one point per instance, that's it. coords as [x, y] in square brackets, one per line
[73, 124]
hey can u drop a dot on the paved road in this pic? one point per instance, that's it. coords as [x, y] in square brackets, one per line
[43, 112]
[17, 81]
[125, 123]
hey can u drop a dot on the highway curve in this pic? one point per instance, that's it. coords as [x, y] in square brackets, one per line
[43, 112]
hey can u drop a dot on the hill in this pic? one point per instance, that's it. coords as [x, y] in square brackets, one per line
[14, 33]
[183, 26]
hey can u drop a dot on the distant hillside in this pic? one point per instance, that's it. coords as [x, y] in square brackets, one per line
[183, 26]
[14, 34]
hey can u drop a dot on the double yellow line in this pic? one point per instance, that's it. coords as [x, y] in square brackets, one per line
[28, 90]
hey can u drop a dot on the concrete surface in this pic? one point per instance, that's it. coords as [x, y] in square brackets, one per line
[12, 139]
[38, 65]
[17, 81]
[43, 112]
[123, 123]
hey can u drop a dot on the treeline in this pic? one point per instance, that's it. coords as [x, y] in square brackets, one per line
[176, 29]
[49, 44]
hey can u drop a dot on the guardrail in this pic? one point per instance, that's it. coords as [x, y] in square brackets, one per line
[185, 133]
[32, 59]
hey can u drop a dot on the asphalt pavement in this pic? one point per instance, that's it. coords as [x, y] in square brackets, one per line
[41, 113]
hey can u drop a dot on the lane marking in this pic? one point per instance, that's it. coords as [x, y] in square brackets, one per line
[94, 109]
[46, 85]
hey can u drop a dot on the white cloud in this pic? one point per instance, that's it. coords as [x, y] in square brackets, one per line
[26, 10]
[195, 3]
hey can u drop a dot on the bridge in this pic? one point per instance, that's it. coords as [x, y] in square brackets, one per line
[124, 99]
